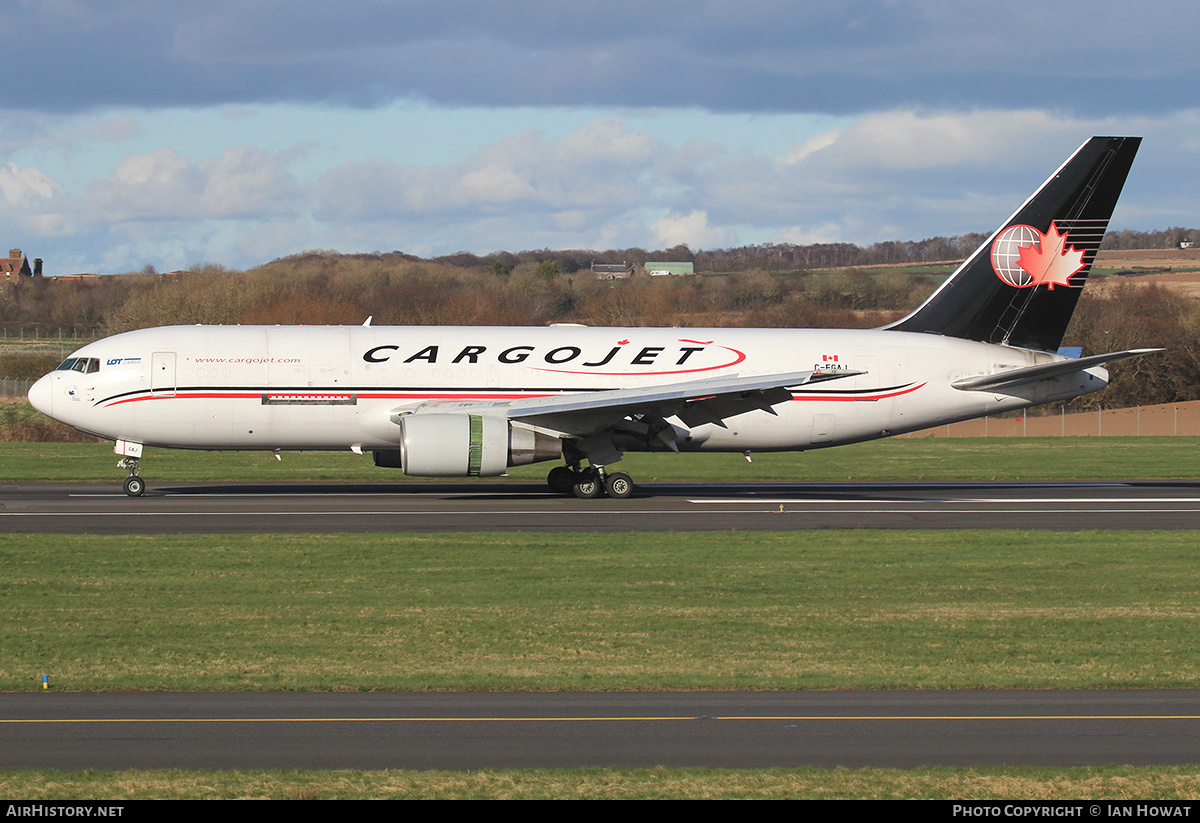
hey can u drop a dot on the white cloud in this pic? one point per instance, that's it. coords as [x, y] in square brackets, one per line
[908, 140]
[243, 182]
[596, 167]
[691, 229]
[28, 188]
[814, 144]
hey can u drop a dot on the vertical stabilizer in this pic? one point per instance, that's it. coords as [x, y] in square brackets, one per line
[1020, 287]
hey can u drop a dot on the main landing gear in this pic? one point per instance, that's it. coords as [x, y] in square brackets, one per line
[589, 483]
[134, 485]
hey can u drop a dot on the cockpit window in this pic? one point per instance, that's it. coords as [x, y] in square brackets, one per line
[83, 365]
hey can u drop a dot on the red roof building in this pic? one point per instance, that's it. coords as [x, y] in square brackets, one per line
[16, 266]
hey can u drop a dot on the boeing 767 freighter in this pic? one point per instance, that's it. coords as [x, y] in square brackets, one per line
[473, 401]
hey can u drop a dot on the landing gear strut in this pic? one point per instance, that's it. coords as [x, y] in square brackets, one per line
[134, 485]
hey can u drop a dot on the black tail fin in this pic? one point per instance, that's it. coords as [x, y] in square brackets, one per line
[1020, 287]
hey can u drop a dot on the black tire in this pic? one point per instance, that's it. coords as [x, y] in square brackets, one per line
[562, 480]
[588, 486]
[135, 486]
[619, 485]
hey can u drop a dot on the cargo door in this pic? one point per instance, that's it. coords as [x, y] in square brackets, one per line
[162, 374]
[822, 428]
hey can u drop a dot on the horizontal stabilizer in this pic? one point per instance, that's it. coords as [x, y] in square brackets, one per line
[1032, 374]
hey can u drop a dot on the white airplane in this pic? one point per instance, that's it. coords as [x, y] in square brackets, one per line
[473, 401]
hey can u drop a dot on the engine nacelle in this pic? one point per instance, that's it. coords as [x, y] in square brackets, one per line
[465, 445]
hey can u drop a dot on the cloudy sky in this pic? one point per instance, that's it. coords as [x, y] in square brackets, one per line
[139, 132]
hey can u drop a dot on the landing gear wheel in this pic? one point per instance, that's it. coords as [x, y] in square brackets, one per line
[562, 480]
[588, 486]
[619, 485]
[135, 486]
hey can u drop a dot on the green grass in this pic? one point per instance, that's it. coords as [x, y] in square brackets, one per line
[1163, 783]
[813, 610]
[1007, 459]
[28, 344]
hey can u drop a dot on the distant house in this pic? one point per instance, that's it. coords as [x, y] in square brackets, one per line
[655, 269]
[1185, 244]
[16, 266]
[611, 271]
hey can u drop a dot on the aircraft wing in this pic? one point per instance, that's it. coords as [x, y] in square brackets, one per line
[760, 392]
[695, 402]
[1031, 374]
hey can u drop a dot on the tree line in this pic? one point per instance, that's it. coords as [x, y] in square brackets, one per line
[784, 257]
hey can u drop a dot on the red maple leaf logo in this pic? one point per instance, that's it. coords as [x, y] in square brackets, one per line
[1049, 261]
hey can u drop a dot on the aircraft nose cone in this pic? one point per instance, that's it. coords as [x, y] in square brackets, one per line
[41, 395]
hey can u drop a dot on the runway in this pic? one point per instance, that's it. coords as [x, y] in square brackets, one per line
[569, 730]
[177, 508]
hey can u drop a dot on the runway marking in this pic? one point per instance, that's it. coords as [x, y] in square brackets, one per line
[976, 500]
[593, 719]
[352, 495]
[594, 513]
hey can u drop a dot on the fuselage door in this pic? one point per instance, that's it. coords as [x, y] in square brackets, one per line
[822, 428]
[162, 374]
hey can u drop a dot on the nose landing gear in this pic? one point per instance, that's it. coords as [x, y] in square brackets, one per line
[135, 486]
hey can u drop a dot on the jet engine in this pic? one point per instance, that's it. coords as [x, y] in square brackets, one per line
[465, 445]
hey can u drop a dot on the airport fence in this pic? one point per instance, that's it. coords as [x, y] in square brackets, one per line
[11, 387]
[17, 332]
[1167, 420]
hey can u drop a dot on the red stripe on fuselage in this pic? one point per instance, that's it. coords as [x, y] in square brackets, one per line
[850, 397]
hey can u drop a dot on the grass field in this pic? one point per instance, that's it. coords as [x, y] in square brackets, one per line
[54, 346]
[957, 459]
[812, 610]
[1108, 782]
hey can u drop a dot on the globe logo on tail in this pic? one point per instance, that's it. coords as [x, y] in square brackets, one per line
[1022, 257]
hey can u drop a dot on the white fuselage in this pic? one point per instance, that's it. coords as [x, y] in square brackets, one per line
[341, 387]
